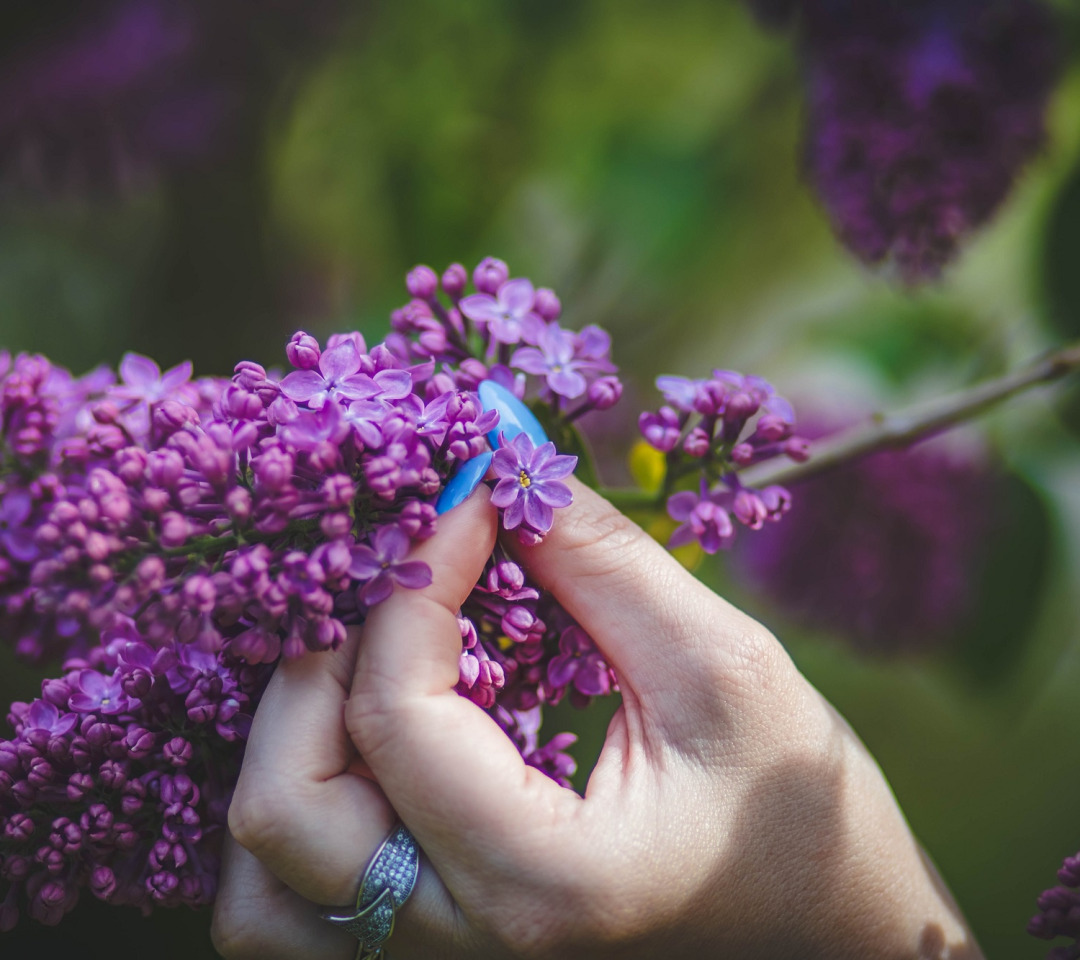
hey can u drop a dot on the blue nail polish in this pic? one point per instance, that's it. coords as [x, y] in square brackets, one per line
[463, 482]
[514, 416]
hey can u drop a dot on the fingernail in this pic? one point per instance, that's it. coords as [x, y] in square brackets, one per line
[464, 481]
[514, 416]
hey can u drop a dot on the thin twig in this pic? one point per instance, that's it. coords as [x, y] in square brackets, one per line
[892, 430]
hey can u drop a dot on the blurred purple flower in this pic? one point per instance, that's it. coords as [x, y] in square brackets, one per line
[1059, 912]
[16, 536]
[107, 94]
[880, 550]
[921, 115]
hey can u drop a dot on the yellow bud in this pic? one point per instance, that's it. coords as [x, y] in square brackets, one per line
[647, 466]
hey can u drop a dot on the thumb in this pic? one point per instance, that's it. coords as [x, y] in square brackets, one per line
[447, 768]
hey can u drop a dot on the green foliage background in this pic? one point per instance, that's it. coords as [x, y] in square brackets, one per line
[643, 160]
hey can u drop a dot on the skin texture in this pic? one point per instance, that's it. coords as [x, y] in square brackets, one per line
[732, 811]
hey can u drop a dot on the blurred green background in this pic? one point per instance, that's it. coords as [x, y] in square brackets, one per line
[643, 160]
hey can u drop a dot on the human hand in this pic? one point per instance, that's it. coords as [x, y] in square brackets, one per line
[731, 812]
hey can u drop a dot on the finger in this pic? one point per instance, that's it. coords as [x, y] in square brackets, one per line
[651, 618]
[258, 916]
[298, 805]
[454, 777]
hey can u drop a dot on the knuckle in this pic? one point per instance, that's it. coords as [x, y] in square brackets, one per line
[259, 818]
[370, 717]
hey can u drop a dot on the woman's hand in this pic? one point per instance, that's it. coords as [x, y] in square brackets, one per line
[732, 812]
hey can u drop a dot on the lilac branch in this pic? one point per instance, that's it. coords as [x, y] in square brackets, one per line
[894, 430]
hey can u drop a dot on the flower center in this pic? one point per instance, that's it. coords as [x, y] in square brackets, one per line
[525, 480]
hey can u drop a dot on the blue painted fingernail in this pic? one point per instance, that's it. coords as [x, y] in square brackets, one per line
[463, 482]
[514, 416]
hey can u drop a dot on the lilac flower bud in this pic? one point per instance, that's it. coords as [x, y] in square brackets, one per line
[797, 449]
[335, 526]
[40, 772]
[238, 503]
[338, 490]
[161, 885]
[51, 859]
[105, 412]
[47, 906]
[65, 836]
[303, 351]
[15, 867]
[417, 519]
[273, 469]
[150, 573]
[742, 454]
[749, 509]
[54, 691]
[422, 282]
[199, 593]
[78, 786]
[660, 429]
[249, 374]
[134, 793]
[178, 751]
[175, 529]
[255, 645]
[454, 279]
[139, 742]
[489, 275]
[124, 836]
[131, 464]
[697, 443]
[113, 774]
[171, 415]
[102, 882]
[19, 827]
[546, 304]
[604, 393]
[154, 500]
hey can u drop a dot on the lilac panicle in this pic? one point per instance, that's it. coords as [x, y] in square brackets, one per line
[1059, 912]
[708, 430]
[921, 116]
[117, 92]
[169, 538]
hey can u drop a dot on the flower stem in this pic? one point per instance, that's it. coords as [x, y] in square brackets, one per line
[892, 430]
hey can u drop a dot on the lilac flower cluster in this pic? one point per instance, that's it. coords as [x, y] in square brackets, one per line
[108, 93]
[709, 429]
[921, 115]
[171, 538]
[1059, 912]
[118, 779]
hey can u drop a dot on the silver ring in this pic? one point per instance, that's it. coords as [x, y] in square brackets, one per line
[388, 880]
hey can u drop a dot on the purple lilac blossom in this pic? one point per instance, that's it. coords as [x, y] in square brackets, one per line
[169, 539]
[709, 429]
[921, 116]
[1059, 912]
[529, 483]
[881, 550]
